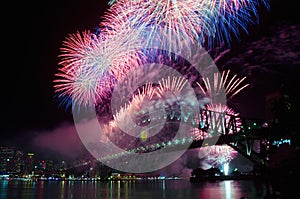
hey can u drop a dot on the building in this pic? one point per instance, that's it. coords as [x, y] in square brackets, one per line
[6, 159]
[29, 164]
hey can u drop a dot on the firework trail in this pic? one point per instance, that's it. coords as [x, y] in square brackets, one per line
[91, 64]
[139, 105]
[183, 21]
[222, 83]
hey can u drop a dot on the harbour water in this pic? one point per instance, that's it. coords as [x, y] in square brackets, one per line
[158, 189]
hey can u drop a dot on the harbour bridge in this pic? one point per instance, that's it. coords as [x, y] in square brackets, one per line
[238, 132]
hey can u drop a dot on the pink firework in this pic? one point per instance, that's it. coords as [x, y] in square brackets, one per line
[177, 91]
[218, 85]
[84, 88]
[174, 85]
[141, 102]
[217, 155]
[168, 91]
[90, 65]
[222, 84]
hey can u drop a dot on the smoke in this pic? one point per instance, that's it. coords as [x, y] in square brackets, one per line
[65, 143]
[62, 141]
[273, 54]
[183, 166]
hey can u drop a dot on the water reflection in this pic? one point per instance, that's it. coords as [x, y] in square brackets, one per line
[164, 188]
[62, 190]
[228, 189]
[131, 190]
[40, 192]
[3, 192]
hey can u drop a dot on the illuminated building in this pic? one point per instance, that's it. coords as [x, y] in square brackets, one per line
[19, 162]
[6, 159]
[29, 163]
[49, 165]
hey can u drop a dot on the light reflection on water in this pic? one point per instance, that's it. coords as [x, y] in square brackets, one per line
[163, 189]
[228, 189]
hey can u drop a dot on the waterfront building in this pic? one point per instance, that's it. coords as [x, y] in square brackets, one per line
[29, 164]
[6, 159]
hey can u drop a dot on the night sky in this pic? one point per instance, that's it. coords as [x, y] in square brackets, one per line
[33, 33]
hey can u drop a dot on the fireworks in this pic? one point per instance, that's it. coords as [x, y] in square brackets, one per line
[165, 24]
[91, 64]
[154, 112]
[139, 104]
[221, 84]
[213, 87]
[184, 21]
[174, 85]
[217, 155]
[153, 99]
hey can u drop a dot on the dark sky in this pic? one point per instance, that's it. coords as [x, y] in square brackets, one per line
[33, 32]
[33, 35]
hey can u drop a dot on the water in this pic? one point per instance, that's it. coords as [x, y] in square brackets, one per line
[167, 189]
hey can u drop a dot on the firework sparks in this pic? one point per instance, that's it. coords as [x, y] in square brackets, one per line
[91, 64]
[139, 104]
[217, 155]
[153, 113]
[176, 84]
[127, 25]
[150, 98]
[155, 22]
[184, 20]
[220, 84]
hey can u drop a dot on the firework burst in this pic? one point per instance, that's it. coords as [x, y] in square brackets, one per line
[152, 99]
[91, 64]
[174, 85]
[222, 84]
[184, 21]
[154, 111]
[140, 103]
[217, 155]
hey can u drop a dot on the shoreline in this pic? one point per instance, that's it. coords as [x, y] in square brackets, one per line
[228, 177]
